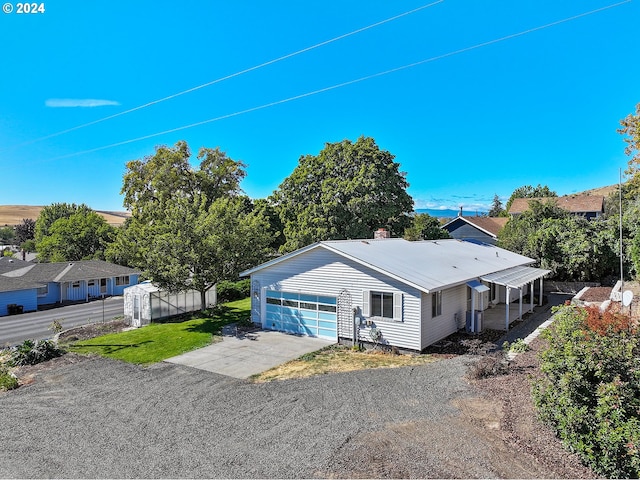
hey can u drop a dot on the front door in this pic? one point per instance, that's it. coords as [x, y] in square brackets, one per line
[103, 285]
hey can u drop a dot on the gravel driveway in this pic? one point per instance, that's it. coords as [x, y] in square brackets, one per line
[94, 417]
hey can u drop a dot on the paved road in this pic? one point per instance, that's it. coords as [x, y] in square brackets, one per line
[16, 328]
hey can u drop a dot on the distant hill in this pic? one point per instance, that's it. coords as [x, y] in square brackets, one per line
[604, 191]
[13, 214]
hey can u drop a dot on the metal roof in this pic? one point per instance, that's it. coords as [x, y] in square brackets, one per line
[516, 277]
[426, 265]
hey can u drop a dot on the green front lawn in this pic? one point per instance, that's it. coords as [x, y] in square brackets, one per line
[159, 341]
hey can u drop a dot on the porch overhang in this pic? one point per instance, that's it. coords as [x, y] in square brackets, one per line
[515, 277]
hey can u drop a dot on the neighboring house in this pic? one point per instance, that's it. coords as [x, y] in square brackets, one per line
[411, 294]
[60, 282]
[588, 206]
[477, 229]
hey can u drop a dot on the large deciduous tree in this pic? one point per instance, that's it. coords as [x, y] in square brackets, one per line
[83, 235]
[346, 191]
[49, 214]
[190, 228]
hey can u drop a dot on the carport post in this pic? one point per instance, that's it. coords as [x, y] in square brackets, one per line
[531, 292]
[540, 296]
[507, 301]
[520, 306]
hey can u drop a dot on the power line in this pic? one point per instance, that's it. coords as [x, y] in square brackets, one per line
[350, 82]
[237, 74]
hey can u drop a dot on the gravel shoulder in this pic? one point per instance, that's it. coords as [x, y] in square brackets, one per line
[94, 417]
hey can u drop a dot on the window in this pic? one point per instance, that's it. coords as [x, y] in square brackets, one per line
[382, 305]
[91, 283]
[124, 280]
[75, 284]
[43, 291]
[436, 303]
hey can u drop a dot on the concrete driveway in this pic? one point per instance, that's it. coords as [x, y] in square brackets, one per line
[241, 356]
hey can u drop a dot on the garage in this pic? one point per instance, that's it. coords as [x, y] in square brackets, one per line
[301, 314]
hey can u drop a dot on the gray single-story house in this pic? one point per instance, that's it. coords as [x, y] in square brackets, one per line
[30, 285]
[404, 294]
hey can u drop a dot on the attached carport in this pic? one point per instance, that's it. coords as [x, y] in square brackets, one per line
[516, 278]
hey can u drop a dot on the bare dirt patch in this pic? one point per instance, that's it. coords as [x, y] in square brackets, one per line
[85, 332]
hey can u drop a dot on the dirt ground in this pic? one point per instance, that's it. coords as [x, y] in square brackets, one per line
[515, 419]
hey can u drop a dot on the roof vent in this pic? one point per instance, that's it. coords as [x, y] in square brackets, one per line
[365, 242]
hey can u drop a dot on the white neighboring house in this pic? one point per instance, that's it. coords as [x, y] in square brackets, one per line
[412, 293]
[146, 302]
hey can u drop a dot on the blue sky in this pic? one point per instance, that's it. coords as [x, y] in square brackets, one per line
[541, 107]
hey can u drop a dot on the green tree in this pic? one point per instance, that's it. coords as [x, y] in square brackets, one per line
[347, 191]
[516, 234]
[197, 246]
[51, 213]
[630, 129]
[496, 207]
[7, 235]
[190, 228]
[425, 227]
[25, 230]
[28, 246]
[527, 191]
[83, 235]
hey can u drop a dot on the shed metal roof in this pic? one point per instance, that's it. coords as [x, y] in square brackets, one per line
[427, 265]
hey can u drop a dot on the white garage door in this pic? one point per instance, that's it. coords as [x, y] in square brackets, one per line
[302, 314]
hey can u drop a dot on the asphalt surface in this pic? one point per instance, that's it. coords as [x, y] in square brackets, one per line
[15, 329]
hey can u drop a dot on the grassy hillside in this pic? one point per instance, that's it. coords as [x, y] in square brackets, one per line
[13, 214]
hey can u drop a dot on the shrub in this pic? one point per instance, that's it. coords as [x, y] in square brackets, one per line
[489, 365]
[31, 352]
[518, 346]
[7, 380]
[590, 389]
[230, 291]
[55, 326]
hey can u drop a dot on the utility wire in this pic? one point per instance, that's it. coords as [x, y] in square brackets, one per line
[237, 74]
[350, 82]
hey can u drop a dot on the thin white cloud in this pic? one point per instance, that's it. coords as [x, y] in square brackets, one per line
[78, 102]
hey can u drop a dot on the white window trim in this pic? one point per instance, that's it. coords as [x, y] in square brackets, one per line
[397, 311]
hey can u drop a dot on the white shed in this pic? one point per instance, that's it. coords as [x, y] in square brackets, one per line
[146, 302]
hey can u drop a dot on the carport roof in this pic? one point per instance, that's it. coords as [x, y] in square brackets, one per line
[515, 277]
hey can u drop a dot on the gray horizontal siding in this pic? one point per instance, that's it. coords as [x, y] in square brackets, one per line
[322, 272]
[454, 301]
